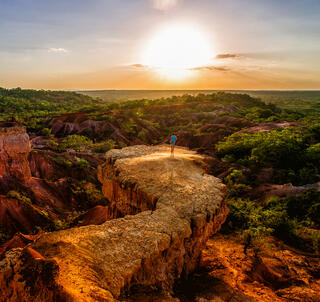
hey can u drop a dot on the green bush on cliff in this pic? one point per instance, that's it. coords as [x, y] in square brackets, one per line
[237, 184]
[87, 192]
[18, 196]
[104, 146]
[75, 142]
[288, 218]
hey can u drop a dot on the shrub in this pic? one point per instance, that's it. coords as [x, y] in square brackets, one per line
[76, 142]
[44, 213]
[16, 195]
[63, 162]
[104, 146]
[88, 192]
[61, 225]
[46, 132]
[53, 145]
[289, 219]
[313, 153]
[143, 134]
[83, 163]
[304, 206]
[278, 149]
[236, 184]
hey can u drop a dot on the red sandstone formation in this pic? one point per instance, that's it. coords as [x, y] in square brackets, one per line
[35, 190]
[97, 215]
[181, 207]
[14, 151]
[19, 240]
[274, 273]
[17, 216]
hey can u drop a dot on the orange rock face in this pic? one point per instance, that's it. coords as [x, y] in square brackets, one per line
[18, 241]
[275, 272]
[14, 151]
[178, 208]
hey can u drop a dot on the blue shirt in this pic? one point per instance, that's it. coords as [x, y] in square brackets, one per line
[173, 139]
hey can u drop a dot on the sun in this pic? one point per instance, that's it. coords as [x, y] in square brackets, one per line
[175, 50]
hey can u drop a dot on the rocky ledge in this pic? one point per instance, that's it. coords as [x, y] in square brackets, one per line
[177, 206]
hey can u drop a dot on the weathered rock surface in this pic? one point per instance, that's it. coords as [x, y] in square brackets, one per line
[43, 190]
[14, 151]
[177, 206]
[275, 272]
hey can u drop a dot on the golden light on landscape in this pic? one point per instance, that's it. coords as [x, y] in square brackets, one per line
[174, 50]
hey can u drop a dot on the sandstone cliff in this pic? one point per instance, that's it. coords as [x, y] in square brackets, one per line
[14, 151]
[37, 189]
[177, 206]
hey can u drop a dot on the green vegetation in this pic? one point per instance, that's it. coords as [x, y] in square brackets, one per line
[4, 236]
[18, 196]
[289, 218]
[103, 147]
[294, 152]
[295, 100]
[61, 225]
[31, 106]
[60, 160]
[44, 213]
[87, 192]
[75, 142]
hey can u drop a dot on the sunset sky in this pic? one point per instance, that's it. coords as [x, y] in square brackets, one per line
[160, 44]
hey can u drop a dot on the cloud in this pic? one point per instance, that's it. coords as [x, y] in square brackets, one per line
[58, 50]
[164, 5]
[227, 56]
[139, 66]
[211, 68]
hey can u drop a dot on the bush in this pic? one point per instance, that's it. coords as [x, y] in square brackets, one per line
[289, 218]
[236, 184]
[16, 195]
[104, 147]
[61, 225]
[278, 149]
[46, 132]
[63, 162]
[88, 192]
[76, 142]
[313, 153]
[44, 213]
[304, 207]
[83, 163]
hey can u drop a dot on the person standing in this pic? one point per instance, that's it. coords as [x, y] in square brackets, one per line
[173, 142]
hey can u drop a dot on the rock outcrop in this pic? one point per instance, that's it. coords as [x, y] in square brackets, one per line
[14, 151]
[177, 206]
[38, 189]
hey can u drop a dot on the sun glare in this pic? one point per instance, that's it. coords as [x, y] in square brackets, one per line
[175, 50]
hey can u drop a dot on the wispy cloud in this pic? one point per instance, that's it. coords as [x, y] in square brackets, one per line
[139, 66]
[211, 68]
[58, 50]
[164, 5]
[227, 56]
